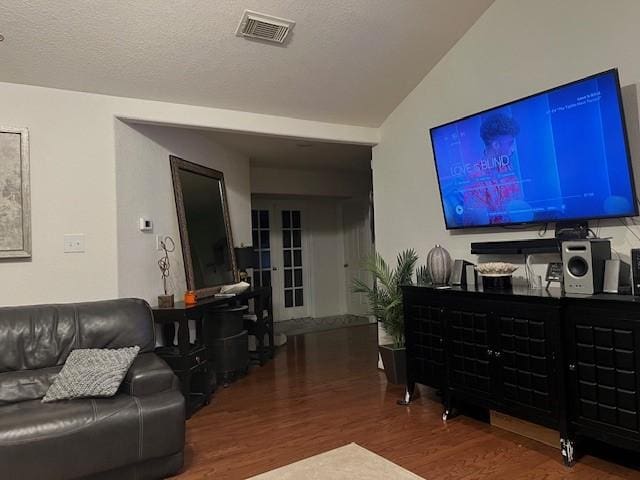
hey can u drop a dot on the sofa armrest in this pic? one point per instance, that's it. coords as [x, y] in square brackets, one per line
[148, 374]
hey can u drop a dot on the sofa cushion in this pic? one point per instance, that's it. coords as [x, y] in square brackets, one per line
[42, 336]
[91, 372]
[26, 384]
[71, 439]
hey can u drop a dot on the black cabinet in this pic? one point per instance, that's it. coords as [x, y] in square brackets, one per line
[603, 366]
[426, 343]
[193, 362]
[508, 362]
[526, 349]
[565, 363]
[469, 353]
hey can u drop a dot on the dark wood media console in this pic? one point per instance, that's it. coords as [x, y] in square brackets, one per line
[568, 363]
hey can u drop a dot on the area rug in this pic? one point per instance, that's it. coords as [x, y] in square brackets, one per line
[350, 462]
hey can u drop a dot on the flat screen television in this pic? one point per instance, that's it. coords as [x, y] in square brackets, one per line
[561, 155]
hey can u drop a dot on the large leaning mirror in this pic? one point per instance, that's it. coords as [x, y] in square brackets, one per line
[205, 231]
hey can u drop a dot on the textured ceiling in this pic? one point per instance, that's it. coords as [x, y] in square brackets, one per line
[348, 61]
[281, 152]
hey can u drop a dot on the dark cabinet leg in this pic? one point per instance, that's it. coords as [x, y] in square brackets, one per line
[567, 448]
[185, 383]
[269, 321]
[260, 328]
[449, 411]
[169, 333]
[408, 394]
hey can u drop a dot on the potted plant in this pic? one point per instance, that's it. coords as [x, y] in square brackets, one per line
[385, 303]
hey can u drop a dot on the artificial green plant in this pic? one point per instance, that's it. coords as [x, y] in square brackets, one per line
[385, 294]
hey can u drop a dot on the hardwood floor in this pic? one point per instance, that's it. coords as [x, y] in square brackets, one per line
[323, 391]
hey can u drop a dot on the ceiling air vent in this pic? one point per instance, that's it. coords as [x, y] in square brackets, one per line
[264, 27]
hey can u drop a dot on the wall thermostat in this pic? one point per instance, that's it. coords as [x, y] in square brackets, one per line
[146, 224]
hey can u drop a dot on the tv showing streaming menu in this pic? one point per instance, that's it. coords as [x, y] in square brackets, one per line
[559, 155]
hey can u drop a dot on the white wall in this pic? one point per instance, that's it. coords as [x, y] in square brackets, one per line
[73, 180]
[332, 183]
[72, 191]
[516, 48]
[144, 188]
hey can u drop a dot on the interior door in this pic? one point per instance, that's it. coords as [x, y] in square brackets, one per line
[285, 263]
[358, 245]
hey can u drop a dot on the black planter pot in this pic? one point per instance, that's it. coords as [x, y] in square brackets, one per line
[395, 363]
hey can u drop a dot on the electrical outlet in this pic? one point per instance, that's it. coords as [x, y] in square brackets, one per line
[158, 242]
[74, 243]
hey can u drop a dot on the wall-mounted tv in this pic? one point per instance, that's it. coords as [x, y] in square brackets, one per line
[558, 155]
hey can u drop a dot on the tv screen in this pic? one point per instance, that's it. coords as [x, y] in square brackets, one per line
[559, 155]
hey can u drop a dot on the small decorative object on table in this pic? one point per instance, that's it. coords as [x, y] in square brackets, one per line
[190, 297]
[496, 275]
[167, 245]
[554, 273]
[235, 288]
[439, 265]
[244, 260]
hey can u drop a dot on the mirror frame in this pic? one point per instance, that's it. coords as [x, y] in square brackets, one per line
[178, 164]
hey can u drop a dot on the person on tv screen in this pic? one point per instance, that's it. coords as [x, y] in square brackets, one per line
[494, 190]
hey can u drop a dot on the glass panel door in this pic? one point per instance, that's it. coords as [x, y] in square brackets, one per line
[292, 258]
[281, 248]
[262, 247]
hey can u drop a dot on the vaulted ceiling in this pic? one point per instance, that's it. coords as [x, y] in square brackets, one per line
[348, 61]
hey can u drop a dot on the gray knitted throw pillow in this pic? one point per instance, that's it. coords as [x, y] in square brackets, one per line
[91, 372]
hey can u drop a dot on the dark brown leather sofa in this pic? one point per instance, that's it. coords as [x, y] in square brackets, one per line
[137, 434]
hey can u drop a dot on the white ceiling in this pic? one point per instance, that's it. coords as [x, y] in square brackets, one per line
[282, 152]
[348, 61]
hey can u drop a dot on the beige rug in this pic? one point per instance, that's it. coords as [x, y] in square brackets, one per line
[350, 462]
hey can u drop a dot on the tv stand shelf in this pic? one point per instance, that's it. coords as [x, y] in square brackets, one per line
[567, 363]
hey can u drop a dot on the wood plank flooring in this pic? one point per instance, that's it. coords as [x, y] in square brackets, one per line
[323, 391]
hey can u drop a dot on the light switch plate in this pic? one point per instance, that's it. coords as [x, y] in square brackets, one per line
[74, 243]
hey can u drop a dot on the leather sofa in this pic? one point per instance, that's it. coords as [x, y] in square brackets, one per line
[137, 434]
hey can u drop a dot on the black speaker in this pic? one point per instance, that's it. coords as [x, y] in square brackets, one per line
[616, 277]
[635, 270]
[471, 276]
[583, 265]
[459, 272]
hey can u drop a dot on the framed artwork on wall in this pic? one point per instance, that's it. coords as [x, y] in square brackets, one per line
[15, 194]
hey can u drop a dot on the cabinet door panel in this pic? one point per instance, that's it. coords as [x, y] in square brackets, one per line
[425, 345]
[526, 349]
[603, 370]
[469, 367]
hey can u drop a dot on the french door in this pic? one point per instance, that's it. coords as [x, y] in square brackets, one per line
[282, 251]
